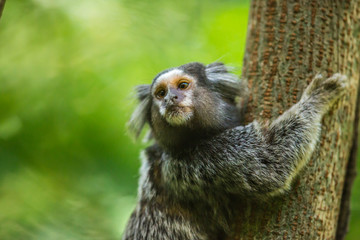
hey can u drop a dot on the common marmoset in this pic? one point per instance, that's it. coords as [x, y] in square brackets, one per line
[201, 155]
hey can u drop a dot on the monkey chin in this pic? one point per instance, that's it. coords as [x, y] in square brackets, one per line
[178, 116]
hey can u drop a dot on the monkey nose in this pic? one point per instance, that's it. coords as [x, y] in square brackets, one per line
[171, 98]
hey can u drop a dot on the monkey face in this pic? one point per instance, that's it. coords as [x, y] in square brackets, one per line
[187, 103]
[172, 95]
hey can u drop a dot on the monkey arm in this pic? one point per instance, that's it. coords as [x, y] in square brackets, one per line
[260, 159]
[264, 160]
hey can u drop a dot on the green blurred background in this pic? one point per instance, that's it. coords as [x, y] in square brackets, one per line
[68, 168]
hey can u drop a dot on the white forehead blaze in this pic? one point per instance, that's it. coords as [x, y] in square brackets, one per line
[170, 77]
[175, 73]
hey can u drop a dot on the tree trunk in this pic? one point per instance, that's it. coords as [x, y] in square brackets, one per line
[288, 43]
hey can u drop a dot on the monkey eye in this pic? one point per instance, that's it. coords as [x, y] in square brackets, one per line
[160, 94]
[183, 85]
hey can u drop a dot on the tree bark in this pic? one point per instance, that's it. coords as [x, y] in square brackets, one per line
[289, 42]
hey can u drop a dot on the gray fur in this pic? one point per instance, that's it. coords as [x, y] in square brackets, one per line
[186, 193]
[224, 81]
[228, 84]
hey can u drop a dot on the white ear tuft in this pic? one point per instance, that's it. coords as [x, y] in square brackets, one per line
[224, 82]
[142, 111]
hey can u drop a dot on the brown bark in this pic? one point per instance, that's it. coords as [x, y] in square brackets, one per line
[2, 4]
[288, 43]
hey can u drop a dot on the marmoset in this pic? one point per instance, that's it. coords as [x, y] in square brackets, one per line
[202, 156]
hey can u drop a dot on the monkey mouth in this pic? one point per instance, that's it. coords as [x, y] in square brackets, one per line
[178, 115]
[174, 108]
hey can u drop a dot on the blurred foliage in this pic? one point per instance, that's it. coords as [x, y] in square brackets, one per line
[67, 69]
[68, 168]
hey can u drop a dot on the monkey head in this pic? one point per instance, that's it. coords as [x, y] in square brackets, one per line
[173, 93]
[188, 103]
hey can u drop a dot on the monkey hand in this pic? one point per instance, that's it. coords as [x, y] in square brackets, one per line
[323, 92]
